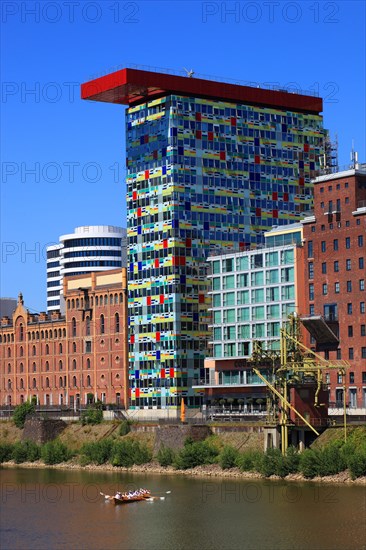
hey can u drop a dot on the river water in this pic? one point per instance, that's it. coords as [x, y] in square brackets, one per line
[58, 509]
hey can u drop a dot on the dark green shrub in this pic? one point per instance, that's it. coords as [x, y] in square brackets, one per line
[309, 463]
[128, 452]
[125, 427]
[6, 451]
[55, 452]
[92, 416]
[357, 462]
[98, 452]
[331, 459]
[165, 456]
[272, 463]
[249, 460]
[195, 454]
[25, 451]
[228, 457]
[292, 460]
[21, 412]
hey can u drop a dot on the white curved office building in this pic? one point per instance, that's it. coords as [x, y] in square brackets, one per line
[89, 248]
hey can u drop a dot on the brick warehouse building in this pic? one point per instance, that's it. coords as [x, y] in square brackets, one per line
[335, 247]
[73, 359]
[210, 166]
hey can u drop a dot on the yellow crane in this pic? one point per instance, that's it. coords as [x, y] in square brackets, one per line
[293, 364]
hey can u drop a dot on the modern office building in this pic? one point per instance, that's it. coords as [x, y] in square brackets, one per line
[252, 294]
[210, 166]
[69, 360]
[89, 248]
[335, 235]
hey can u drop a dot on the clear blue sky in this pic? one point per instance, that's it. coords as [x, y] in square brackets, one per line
[77, 148]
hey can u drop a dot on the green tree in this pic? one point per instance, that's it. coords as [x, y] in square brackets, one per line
[21, 412]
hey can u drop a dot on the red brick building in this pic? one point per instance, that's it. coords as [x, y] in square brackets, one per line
[335, 244]
[70, 360]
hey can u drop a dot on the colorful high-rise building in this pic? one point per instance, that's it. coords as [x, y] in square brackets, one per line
[210, 166]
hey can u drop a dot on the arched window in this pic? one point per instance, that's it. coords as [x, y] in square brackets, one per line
[102, 327]
[21, 352]
[74, 381]
[60, 382]
[73, 326]
[34, 367]
[21, 399]
[74, 364]
[77, 303]
[120, 298]
[88, 363]
[47, 349]
[100, 300]
[74, 347]
[9, 352]
[34, 383]
[87, 326]
[64, 332]
[21, 367]
[60, 348]
[21, 384]
[115, 299]
[1, 339]
[34, 350]
[92, 301]
[47, 365]
[37, 335]
[73, 303]
[88, 381]
[60, 365]
[46, 334]
[47, 382]
[9, 368]
[21, 332]
[9, 384]
[55, 333]
[42, 334]
[96, 300]
[116, 322]
[68, 304]
[59, 333]
[111, 299]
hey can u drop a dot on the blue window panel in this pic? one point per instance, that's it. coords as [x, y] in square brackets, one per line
[137, 374]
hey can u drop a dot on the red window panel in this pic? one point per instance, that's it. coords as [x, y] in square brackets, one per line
[148, 300]
[257, 159]
[258, 212]
[201, 298]
[188, 242]
[134, 196]
[147, 174]
[165, 243]
[285, 197]
[233, 121]
[171, 373]
[137, 392]
[275, 214]
[198, 134]
[274, 195]
[210, 136]
[157, 336]
[156, 262]
[162, 373]
[161, 298]
[222, 155]
[198, 116]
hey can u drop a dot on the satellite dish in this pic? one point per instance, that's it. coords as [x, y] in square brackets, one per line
[189, 73]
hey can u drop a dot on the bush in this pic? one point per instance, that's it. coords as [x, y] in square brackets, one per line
[98, 452]
[331, 459]
[92, 416]
[25, 451]
[357, 462]
[292, 460]
[125, 427]
[228, 457]
[195, 454]
[272, 463]
[6, 451]
[309, 463]
[129, 452]
[55, 452]
[249, 460]
[165, 456]
[21, 412]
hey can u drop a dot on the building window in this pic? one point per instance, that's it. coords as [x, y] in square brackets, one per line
[350, 331]
[351, 377]
[348, 265]
[116, 322]
[348, 242]
[310, 249]
[363, 377]
[363, 352]
[323, 246]
[322, 227]
[325, 289]
[102, 326]
[363, 330]
[339, 378]
[336, 266]
[349, 309]
[339, 353]
[324, 268]
[362, 307]
[336, 288]
[360, 263]
[311, 309]
[88, 346]
[349, 286]
[362, 284]
[311, 292]
[73, 327]
[350, 353]
[88, 363]
[60, 348]
[335, 244]
[360, 240]
[311, 270]
[87, 326]
[330, 312]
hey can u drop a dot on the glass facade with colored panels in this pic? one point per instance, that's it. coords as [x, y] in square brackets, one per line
[201, 175]
[252, 294]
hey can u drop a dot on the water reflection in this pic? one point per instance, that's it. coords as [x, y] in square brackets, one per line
[64, 509]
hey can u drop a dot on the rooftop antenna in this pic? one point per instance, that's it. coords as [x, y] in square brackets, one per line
[354, 156]
[189, 73]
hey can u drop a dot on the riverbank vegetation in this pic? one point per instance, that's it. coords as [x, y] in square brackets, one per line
[118, 450]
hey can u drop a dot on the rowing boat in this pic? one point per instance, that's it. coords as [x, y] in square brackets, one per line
[127, 500]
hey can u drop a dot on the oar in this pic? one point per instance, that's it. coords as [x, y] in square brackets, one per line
[107, 497]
